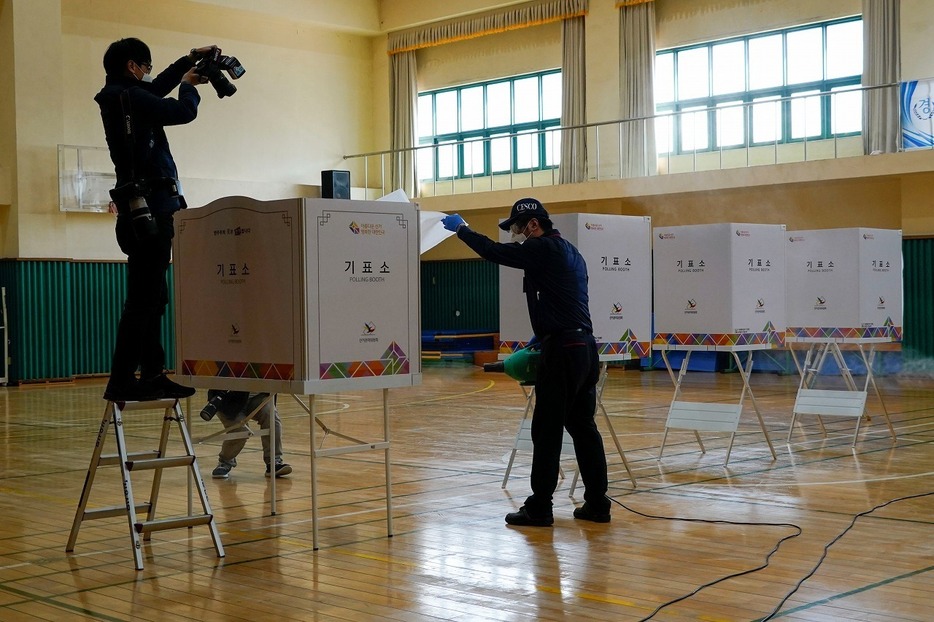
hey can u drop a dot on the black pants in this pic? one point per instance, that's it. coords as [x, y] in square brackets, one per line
[566, 397]
[139, 338]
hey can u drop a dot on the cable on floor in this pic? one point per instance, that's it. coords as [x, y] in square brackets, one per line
[831, 543]
[798, 532]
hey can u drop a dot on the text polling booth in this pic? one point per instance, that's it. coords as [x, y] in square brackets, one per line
[718, 288]
[300, 296]
[844, 286]
[618, 253]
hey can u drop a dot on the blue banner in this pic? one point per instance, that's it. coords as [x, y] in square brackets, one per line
[917, 110]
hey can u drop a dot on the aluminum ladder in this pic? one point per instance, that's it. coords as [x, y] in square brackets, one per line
[148, 460]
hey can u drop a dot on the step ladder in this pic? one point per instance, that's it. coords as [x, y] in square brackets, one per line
[148, 460]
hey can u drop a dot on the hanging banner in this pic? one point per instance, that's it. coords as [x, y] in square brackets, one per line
[917, 112]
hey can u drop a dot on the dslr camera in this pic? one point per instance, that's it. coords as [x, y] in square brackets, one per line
[212, 66]
[130, 198]
[231, 402]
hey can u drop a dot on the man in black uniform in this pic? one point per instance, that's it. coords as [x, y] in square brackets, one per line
[134, 110]
[555, 285]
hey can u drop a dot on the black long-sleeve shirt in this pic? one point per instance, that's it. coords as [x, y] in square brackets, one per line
[554, 282]
[150, 111]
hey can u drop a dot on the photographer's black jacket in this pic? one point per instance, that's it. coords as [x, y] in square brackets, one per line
[555, 280]
[150, 111]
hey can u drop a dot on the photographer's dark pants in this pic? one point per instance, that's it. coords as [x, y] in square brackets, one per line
[139, 338]
[566, 397]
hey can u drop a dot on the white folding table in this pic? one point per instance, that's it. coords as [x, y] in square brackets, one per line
[849, 402]
[711, 416]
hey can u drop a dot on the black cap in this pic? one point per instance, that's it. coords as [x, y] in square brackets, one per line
[524, 209]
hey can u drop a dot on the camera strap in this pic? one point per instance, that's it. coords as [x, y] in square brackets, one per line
[127, 109]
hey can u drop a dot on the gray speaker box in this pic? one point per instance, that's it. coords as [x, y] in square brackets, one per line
[335, 184]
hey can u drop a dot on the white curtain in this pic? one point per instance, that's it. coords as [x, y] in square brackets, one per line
[573, 167]
[637, 86]
[403, 100]
[881, 66]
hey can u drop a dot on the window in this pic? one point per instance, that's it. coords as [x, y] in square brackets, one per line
[780, 86]
[471, 125]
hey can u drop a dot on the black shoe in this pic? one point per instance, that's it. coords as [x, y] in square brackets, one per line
[282, 469]
[586, 512]
[522, 518]
[169, 389]
[134, 392]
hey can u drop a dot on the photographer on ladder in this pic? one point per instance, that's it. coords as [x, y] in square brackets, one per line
[134, 110]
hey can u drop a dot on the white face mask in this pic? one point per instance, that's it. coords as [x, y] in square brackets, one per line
[519, 237]
[147, 77]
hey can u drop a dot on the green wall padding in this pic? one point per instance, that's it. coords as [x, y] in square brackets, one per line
[460, 295]
[63, 317]
[918, 275]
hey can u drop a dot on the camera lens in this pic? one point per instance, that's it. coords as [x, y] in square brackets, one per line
[222, 85]
[210, 409]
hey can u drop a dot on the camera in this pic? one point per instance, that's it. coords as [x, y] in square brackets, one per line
[211, 67]
[131, 195]
[230, 402]
[210, 409]
[131, 198]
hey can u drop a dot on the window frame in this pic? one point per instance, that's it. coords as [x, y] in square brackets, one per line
[462, 138]
[784, 93]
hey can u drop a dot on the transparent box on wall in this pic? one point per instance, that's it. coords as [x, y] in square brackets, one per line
[85, 178]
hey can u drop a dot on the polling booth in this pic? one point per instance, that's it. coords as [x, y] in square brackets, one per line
[300, 297]
[718, 288]
[844, 286]
[618, 252]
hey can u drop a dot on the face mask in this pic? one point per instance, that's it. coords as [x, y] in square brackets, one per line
[146, 78]
[519, 237]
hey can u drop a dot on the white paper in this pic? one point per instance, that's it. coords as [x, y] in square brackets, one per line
[432, 231]
[398, 195]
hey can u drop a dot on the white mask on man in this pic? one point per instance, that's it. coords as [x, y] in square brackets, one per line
[519, 237]
[147, 77]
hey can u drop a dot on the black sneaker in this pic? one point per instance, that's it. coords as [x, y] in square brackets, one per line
[522, 518]
[169, 389]
[586, 512]
[222, 470]
[282, 469]
[133, 392]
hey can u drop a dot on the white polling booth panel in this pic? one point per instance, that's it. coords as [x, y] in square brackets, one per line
[298, 296]
[844, 284]
[618, 252]
[719, 285]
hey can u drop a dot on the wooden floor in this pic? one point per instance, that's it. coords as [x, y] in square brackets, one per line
[452, 557]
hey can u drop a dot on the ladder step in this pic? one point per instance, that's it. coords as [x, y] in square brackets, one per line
[173, 523]
[112, 459]
[110, 512]
[151, 405]
[160, 463]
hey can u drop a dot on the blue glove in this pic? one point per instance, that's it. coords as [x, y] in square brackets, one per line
[452, 222]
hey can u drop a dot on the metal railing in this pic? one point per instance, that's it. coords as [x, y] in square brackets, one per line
[535, 155]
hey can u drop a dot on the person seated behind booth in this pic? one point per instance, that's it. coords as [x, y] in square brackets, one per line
[233, 407]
